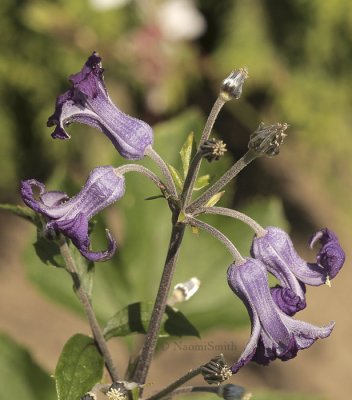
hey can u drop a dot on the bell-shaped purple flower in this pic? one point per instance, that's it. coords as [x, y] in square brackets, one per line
[275, 249]
[71, 216]
[88, 102]
[274, 333]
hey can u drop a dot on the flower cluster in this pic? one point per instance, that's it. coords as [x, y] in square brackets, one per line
[88, 102]
[275, 334]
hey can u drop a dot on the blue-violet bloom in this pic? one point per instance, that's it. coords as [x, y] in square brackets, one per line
[274, 334]
[70, 216]
[88, 102]
[275, 249]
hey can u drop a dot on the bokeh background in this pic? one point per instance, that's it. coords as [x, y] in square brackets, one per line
[164, 60]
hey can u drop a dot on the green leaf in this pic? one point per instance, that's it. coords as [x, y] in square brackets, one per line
[186, 153]
[20, 211]
[215, 199]
[135, 318]
[20, 376]
[176, 176]
[48, 251]
[202, 182]
[79, 368]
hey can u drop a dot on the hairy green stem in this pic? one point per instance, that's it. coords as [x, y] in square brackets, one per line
[164, 392]
[152, 154]
[196, 162]
[84, 299]
[223, 181]
[258, 229]
[151, 337]
[218, 235]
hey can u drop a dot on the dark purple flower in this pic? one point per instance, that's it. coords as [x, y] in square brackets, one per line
[275, 249]
[88, 102]
[274, 333]
[71, 216]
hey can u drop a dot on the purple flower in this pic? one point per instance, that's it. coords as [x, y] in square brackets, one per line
[274, 333]
[88, 102]
[71, 216]
[276, 251]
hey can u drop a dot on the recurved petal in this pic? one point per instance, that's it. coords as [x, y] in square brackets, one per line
[287, 300]
[331, 256]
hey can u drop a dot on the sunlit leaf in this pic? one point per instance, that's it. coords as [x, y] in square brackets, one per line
[214, 199]
[202, 182]
[79, 368]
[186, 153]
[176, 176]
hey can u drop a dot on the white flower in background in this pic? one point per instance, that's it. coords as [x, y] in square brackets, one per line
[180, 20]
[104, 5]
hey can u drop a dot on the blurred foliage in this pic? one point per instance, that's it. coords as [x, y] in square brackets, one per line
[20, 376]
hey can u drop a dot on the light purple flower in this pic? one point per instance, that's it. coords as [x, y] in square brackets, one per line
[71, 216]
[274, 333]
[88, 102]
[275, 249]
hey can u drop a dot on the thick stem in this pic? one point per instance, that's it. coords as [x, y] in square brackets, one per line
[218, 235]
[258, 229]
[151, 153]
[84, 299]
[223, 181]
[195, 164]
[191, 374]
[151, 337]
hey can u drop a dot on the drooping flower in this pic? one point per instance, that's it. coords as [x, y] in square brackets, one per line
[275, 249]
[71, 216]
[88, 102]
[274, 333]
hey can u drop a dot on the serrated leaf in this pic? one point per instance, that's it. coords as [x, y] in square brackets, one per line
[20, 376]
[20, 211]
[176, 176]
[186, 153]
[214, 199]
[202, 182]
[135, 318]
[79, 368]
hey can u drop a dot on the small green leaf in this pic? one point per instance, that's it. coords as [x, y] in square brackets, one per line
[135, 318]
[79, 368]
[48, 251]
[176, 176]
[20, 376]
[20, 211]
[186, 153]
[213, 200]
[202, 182]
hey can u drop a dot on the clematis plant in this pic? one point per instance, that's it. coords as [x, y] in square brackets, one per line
[64, 220]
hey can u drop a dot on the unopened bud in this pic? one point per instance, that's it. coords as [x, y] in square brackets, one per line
[216, 370]
[231, 87]
[233, 392]
[117, 391]
[268, 139]
[213, 149]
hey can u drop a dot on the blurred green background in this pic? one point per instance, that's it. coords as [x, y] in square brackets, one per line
[163, 63]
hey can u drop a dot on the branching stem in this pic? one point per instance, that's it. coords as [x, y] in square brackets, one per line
[84, 299]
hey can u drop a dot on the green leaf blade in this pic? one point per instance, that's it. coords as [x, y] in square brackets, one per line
[135, 318]
[186, 153]
[79, 368]
[176, 176]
